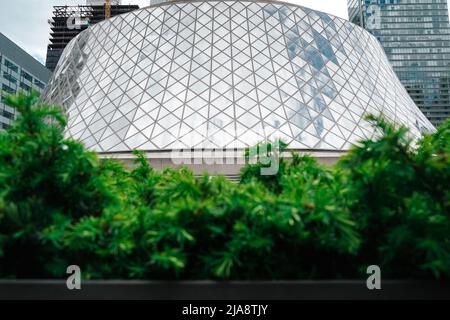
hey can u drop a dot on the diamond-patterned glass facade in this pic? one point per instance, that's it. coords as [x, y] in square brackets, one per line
[226, 74]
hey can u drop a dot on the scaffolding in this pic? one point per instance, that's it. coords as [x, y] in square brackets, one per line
[68, 21]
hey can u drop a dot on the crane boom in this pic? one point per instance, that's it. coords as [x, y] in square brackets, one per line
[108, 9]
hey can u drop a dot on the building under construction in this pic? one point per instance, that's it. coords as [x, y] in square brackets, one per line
[68, 21]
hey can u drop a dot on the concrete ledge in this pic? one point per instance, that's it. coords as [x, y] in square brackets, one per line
[225, 162]
[234, 290]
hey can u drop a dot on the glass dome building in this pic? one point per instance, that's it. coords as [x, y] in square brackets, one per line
[225, 75]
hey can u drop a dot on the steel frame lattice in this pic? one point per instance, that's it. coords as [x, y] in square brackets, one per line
[226, 74]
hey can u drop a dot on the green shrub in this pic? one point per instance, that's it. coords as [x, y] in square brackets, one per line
[43, 177]
[211, 228]
[266, 155]
[386, 203]
[400, 199]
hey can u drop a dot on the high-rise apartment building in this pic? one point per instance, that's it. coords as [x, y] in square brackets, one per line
[68, 21]
[18, 71]
[415, 35]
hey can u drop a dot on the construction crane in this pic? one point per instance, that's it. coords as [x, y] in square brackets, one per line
[108, 9]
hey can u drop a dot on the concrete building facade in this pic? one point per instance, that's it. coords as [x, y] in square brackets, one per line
[18, 71]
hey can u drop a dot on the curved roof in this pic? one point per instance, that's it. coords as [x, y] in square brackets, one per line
[226, 74]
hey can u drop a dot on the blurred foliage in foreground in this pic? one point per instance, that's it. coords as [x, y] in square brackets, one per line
[384, 203]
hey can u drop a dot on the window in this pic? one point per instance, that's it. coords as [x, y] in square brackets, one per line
[11, 65]
[26, 76]
[8, 89]
[39, 84]
[25, 86]
[7, 114]
[9, 77]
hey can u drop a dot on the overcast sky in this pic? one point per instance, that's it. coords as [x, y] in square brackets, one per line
[25, 21]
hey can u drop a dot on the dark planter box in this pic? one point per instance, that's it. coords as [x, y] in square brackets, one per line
[235, 290]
